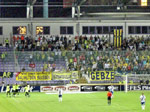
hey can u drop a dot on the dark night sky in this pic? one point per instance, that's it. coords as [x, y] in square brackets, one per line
[59, 11]
[20, 12]
[27, 0]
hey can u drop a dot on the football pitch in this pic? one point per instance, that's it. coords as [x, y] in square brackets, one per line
[87, 102]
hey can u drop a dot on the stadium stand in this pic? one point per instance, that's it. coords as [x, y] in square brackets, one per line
[56, 43]
[39, 52]
[91, 53]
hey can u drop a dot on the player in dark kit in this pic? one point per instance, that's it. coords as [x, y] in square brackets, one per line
[14, 90]
[109, 94]
[17, 89]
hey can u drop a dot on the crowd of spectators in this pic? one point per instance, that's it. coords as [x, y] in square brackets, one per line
[92, 54]
[120, 61]
[82, 43]
[136, 62]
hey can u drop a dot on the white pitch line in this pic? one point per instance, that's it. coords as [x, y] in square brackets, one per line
[73, 93]
[16, 100]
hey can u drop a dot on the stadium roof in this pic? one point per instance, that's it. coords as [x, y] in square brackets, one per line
[56, 8]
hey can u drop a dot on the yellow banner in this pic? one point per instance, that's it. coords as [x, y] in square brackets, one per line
[102, 75]
[65, 75]
[33, 76]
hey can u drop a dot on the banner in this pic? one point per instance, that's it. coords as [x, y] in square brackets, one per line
[74, 88]
[138, 87]
[102, 75]
[65, 75]
[33, 76]
[92, 88]
[117, 37]
[6, 74]
[21, 89]
[54, 89]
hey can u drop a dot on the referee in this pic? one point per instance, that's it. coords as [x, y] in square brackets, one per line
[109, 94]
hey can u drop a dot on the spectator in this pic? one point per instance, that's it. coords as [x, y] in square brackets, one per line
[7, 42]
[22, 39]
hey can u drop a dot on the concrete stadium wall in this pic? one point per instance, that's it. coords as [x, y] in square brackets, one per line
[55, 24]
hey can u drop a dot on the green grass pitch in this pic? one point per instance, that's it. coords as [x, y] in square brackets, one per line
[88, 102]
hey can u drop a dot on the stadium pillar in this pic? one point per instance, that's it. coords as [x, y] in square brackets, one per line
[31, 11]
[78, 11]
[73, 11]
[28, 10]
[0, 10]
[45, 8]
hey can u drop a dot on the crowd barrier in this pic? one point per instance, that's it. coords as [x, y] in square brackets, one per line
[75, 88]
[68, 88]
[21, 89]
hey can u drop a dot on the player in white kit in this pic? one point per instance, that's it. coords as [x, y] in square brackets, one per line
[111, 89]
[143, 99]
[60, 95]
